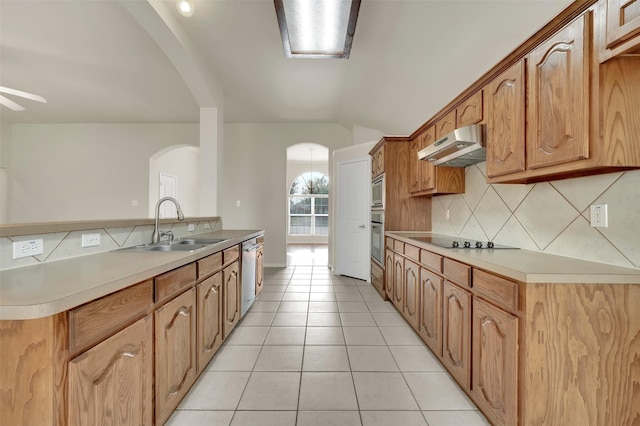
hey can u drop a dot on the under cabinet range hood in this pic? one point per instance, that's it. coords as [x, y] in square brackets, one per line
[461, 148]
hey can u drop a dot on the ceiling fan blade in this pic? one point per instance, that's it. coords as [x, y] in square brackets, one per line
[10, 104]
[22, 94]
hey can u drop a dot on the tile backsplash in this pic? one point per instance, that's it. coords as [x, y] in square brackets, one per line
[65, 245]
[551, 217]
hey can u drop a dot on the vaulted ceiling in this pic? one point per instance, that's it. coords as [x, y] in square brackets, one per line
[94, 61]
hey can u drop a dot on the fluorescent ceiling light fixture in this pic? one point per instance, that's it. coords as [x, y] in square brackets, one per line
[14, 106]
[317, 28]
[186, 7]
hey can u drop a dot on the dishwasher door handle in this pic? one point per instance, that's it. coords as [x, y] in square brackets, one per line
[252, 248]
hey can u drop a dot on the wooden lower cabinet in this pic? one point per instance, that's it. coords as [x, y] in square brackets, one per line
[388, 274]
[377, 278]
[495, 363]
[112, 383]
[259, 269]
[209, 314]
[456, 333]
[430, 323]
[232, 297]
[175, 330]
[411, 293]
[398, 280]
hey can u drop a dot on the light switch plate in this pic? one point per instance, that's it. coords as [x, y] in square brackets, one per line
[91, 240]
[599, 216]
[28, 248]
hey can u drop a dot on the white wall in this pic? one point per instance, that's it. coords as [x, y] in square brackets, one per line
[5, 157]
[183, 162]
[67, 172]
[255, 173]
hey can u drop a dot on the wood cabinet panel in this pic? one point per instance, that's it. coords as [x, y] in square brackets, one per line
[259, 269]
[506, 122]
[446, 124]
[173, 282]
[231, 254]
[495, 363]
[457, 272]
[411, 293]
[623, 21]
[398, 246]
[496, 289]
[209, 265]
[175, 356]
[426, 170]
[209, 313]
[377, 278]
[97, 320]
[412, 252]
[470, 111]
[398, 278]
[388, 274]
[558, 97]
[431, 260]
[232, 297]
[456, 334]
[112, 383]
[430, 326]
[415, 145]
[377, 162]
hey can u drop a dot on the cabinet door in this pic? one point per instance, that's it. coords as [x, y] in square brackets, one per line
[388, 274]
[411, 292]
[558, 97]
[623, 21]
[398, 275]
[259, 269]
[430, 328]
[427, 170]
[470, 111]
[506, 122]
[495, 363]
[446, 124]
[415, 145]
[209, 295]
[457, 333]
[232, 297]
[112, 383]
[175, 325]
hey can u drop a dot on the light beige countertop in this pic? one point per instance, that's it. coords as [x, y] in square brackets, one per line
[53, 287]
[529, 266]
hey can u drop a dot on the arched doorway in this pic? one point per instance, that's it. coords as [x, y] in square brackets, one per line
[182, 163]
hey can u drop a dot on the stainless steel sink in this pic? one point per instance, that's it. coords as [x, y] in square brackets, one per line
[206, 241]
[186, 244]
[176, 247]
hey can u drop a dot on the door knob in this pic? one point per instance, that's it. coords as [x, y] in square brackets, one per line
[362, 226]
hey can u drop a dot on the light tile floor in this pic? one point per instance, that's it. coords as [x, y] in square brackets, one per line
[319, 349]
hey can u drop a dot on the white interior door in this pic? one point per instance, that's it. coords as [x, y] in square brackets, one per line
[353, 221]
[168, 186]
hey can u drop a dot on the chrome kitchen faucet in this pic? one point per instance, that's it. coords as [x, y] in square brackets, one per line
[155, 237]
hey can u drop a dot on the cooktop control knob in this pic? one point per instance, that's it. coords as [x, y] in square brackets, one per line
[478, 244]
[455, 244]
[490, 244]
[467, 244]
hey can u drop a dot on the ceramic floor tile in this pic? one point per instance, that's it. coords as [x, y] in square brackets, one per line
[389, 319]
[298, 289]
[279, 358]
[296, 297]
[380, 306]
[287, 319]
[270, 297]
[325, 358]
[437, 391]
[393, 418]
[324, 336]
[352, 307]
[327, 391]
[324, 319]
[370, 294]
[268, 288]
[300, 281]
[329, 418]
[349, 297]
[248, 336]
[216, 390]
[357, 319]
[257, 319]
[200, 418]
[265, 306]
[296, 307]
[455, 418]
[264, 418]
[322, 297]
[369, 336]
[346, 290]
[271, 391]
[322, 289]
[371, 358]
[383, 391]
[415, 358]
[285, 336]
[323, 307]
[400, 336]
[234, 358]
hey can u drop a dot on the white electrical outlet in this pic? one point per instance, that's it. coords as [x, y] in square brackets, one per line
[599, 216]
[206, 225]
[91, 240]
[28, 248]
[237, 203]
[191, 227]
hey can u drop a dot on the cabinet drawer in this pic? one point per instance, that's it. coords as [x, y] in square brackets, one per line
[398, 246]
[209, 265]
[457, 272]
[174, 281]
[97, 320]
[231, 254]
[412, 252]
[389, 242]
[496, 289]
[431, 260]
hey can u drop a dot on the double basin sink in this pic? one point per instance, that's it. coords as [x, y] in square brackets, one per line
[184, 244]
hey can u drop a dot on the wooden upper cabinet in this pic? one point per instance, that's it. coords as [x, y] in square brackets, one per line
[470, 111]
[623, 22]
[558, 97]
[427, 171]
[415, 145]
[377, 162]
[506, 122]
[446, 124]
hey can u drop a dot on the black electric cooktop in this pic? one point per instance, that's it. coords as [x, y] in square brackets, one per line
[453, 242]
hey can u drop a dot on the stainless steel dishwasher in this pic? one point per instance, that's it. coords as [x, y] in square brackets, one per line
[249, 262]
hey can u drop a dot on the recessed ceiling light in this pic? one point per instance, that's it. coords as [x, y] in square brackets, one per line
[186, 7]
[317, 29]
